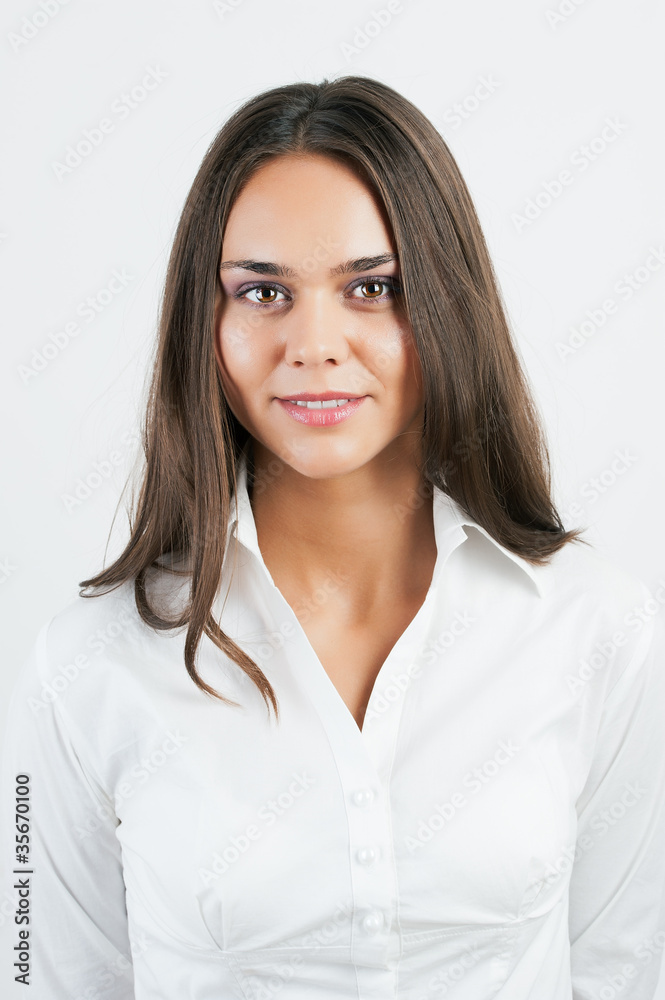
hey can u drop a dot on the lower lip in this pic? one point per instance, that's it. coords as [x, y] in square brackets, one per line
[322, 416]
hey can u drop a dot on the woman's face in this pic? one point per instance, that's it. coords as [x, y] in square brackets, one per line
[295, 322]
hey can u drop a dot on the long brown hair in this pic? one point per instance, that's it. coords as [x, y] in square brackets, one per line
[482, 440]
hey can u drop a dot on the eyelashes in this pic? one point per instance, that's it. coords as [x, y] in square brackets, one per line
[393, 284]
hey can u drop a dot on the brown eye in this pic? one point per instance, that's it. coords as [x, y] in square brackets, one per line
[268, 290]
[267, 295]
[375, 289]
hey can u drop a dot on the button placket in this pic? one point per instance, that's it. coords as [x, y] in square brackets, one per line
[384, 710]
[373, 876]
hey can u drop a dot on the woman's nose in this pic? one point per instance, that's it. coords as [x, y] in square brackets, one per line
[316, 329]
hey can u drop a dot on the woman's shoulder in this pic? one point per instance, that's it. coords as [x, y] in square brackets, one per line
[95, 645]
[87, 623]
[580, 575]
[583, 566]
[98, 618]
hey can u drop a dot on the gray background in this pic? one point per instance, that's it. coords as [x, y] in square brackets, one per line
[536, 83]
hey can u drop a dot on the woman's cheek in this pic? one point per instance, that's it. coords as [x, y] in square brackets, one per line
[238, 346]
[390, 349]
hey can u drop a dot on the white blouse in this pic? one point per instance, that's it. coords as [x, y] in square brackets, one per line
[495, 830]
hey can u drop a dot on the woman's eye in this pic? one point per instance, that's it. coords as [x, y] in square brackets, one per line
[374, 288]
[265, 291]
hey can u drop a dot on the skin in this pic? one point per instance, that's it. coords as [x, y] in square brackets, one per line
[345, 510]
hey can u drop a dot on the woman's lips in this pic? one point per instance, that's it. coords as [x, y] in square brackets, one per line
[321, 416]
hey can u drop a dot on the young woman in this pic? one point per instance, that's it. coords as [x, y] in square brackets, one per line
[352, 715]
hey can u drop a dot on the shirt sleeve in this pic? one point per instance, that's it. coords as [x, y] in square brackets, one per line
[617, 889]
[73, 892]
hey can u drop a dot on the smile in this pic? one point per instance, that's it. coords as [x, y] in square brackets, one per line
[314, 404]
[321, 412]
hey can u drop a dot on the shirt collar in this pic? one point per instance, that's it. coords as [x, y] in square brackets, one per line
[450, 523]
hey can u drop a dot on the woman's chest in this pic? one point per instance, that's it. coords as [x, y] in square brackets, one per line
[352, 657]
[235, 837]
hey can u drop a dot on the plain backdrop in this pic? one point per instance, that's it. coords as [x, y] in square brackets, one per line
[553, 110]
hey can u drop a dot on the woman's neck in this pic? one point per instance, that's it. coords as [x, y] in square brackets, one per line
[366, 539]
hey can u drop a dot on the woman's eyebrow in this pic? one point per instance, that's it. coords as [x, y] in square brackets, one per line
[281, 270]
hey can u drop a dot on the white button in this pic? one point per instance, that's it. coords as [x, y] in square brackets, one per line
[373, 922]
[363, 797]
[366, 855]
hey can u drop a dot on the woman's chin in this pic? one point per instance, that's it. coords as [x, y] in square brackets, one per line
[323, 460]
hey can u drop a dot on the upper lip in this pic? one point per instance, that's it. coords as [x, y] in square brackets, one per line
[309, 397]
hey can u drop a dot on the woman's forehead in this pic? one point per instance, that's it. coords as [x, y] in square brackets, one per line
[293, 205]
